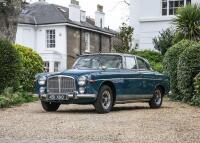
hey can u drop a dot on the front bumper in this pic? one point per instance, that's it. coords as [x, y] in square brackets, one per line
[70, 96]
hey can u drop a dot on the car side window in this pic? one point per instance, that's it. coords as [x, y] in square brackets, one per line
[131, 63]
[142, 65]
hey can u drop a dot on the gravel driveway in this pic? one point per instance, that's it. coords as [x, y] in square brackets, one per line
[128, 123]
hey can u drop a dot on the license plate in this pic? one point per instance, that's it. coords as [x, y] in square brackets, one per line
[57, 97]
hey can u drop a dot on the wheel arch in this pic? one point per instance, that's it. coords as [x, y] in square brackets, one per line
[162, 88]
[112, 86]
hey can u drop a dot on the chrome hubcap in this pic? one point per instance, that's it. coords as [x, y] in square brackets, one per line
[158, 97]
[106, 99]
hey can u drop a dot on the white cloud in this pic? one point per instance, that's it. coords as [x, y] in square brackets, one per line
[115, 10]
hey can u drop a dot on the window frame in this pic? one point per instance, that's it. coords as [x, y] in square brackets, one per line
[58, 63]
[146, 63]
[87, 42]
[50, 42]
[46, 68]
[174, 8]
[126, 62]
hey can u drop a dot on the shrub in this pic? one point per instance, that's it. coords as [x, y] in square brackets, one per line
[32, 64]
[10, 65]
[155, 59]
[196, 97]
[164, 41]
[187, 22]
[170, 66]
[9, 98]
[188, 60]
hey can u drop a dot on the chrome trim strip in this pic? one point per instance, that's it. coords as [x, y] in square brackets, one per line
[133, 97]
[132, 101]
[129, 78]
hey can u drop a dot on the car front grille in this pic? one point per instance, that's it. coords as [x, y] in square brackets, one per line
[60, 84]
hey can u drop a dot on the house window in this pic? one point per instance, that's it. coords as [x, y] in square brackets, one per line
[87, 42]
[56, 66]
[174, 5]
[51, 38]
[46, 66]
[164, 7]
[169, 7]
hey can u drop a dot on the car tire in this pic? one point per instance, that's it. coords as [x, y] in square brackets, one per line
[156, 101]
[49, 106]
[104, 102]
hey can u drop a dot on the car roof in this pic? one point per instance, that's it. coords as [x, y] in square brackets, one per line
[118, 54]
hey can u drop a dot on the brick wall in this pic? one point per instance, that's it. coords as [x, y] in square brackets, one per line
[75, 35]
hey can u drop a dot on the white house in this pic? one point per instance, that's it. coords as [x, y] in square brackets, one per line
[149, 17]
[59, 34]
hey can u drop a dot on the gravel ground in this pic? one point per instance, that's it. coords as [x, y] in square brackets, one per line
[128, 123]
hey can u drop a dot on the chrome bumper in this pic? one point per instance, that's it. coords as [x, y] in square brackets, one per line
[71, 96]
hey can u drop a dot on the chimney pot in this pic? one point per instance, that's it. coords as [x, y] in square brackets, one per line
[99, 8]
[75, 2]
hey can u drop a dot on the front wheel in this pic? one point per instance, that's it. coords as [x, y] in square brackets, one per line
[156, 101]
[104, 102]
[49, 106]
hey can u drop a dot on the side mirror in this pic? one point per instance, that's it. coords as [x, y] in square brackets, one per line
[104, 67]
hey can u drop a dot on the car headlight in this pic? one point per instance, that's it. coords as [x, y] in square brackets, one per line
[82, 80]
[42, 90]
[42, 80]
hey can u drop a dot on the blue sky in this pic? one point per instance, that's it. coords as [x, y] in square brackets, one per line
[116, 11]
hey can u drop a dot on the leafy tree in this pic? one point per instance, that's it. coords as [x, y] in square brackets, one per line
[125, 35]
[187, 22]
[164, 41]
[9, 13]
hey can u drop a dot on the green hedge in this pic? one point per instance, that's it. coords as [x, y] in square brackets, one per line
[196, 97]
[170, 63]
[189, 59]
[155, 59]
[32, 64]
[10, 65]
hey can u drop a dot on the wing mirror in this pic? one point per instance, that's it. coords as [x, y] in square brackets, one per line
[103, 67]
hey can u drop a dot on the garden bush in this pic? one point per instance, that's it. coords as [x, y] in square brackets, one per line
[10, 98]
[170, 63]
[31, 65]
[155, 59]
[10, 66]
[188, 60]
[196, 97]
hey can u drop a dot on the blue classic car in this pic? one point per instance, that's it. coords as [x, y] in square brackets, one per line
[103, 80]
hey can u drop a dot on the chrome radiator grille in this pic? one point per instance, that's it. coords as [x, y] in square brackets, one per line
[60, 84]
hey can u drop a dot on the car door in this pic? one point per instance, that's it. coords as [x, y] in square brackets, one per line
[132, 84]
[148, 77]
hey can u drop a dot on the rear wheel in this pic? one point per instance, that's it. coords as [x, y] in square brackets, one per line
[156, 101]
[104, 102]
[49, 106]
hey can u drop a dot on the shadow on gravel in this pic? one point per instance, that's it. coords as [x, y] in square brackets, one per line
[115, 109]
[92, 110]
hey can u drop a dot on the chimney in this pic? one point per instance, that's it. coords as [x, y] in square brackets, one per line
[99, 16]
[74, 11]
[83, 16]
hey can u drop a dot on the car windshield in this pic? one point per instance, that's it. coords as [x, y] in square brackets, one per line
[98, 61]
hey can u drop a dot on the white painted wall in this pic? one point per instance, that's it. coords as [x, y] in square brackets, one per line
[35, 37]
[147, 20]
[26, 36]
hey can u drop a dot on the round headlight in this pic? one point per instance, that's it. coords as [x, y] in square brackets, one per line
[42, 80]
[42, 90]
[82, 80]
[82, 90]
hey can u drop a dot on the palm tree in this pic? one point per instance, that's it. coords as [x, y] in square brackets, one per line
[187, 22]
